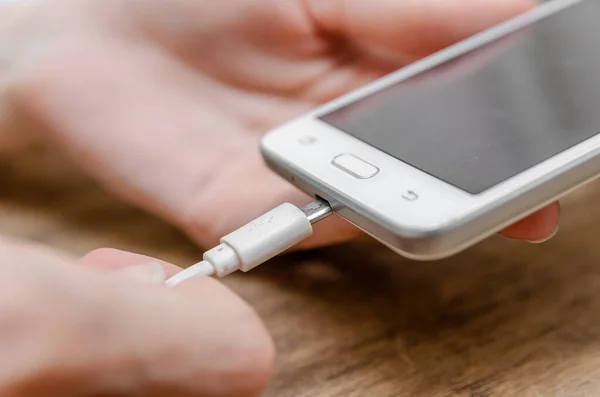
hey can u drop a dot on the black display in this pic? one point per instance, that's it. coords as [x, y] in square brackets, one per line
[486, 116]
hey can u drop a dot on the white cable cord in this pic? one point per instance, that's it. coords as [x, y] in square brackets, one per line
[258, 241]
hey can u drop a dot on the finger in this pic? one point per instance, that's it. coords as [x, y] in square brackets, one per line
[109, 259]
[226, 330]
[210, 296]
[414, 27]
[198, 338]
[538, 227]
[208, 340]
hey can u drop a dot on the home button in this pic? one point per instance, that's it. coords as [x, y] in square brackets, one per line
[355, 166]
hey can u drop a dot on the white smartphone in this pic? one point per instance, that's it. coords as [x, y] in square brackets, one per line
[451, 149]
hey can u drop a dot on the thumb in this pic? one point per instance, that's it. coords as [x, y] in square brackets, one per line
[412, 27]
[199, 338]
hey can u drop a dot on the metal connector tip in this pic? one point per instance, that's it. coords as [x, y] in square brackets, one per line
[317, 210]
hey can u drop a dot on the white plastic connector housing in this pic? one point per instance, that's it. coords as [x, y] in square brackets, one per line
[267, 236]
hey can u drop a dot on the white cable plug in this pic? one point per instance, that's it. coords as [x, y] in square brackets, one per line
[258, 241]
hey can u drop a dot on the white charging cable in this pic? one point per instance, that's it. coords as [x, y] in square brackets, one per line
[258, 241]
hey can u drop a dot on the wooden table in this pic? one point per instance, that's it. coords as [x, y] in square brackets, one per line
[504, 319]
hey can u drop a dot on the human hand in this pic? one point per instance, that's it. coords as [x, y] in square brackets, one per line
[165, 101]
[76, 331]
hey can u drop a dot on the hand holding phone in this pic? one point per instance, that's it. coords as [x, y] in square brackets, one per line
[168, 116]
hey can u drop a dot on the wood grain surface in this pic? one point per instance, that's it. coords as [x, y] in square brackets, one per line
[505, 318]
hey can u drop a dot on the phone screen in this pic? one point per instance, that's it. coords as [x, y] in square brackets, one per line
[492, 113]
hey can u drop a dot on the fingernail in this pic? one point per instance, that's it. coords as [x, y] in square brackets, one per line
[543, 240]
[148, 273]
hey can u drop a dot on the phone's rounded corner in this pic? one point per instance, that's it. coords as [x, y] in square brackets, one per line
[264, 152]
[264, 144]
[267, 149]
